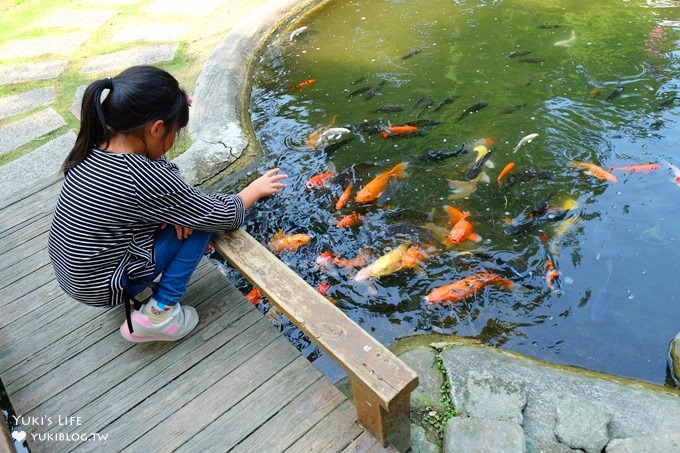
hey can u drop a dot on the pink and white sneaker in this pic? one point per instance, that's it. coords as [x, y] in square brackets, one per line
[178, 324]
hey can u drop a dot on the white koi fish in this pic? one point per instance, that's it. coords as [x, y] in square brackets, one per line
[676, 173]
[524, 141]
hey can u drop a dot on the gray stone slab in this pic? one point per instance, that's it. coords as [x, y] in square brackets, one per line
[85, 19]
[32, 71]
[126, 58]
[38, 164]
[430, 378]
[638, 409]
[581, 424]
[77, 102]
[182, 7]
[465, 435]
[666, 443]
[30, 128]
[152, 33]
[47, 45]
[488, 396]
[26, 101]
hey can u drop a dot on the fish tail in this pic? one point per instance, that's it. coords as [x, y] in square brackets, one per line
[399, 170]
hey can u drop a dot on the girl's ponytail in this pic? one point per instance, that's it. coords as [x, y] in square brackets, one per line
[135, 97]
[93, 125]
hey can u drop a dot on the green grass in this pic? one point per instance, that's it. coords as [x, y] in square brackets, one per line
[19, 19]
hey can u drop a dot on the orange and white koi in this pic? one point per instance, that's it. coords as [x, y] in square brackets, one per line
[327, 258]
[553, 276]
[349, 220]
[303, 84]
[676, 173]
[505, 172]
[344, 197]
[281, 241]
[637, 168]
[594, 170]
[391, 131]
[461, 228]
[465, 288]
[322, 180]
[374, 189]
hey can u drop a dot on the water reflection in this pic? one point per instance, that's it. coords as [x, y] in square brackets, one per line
[498, 71]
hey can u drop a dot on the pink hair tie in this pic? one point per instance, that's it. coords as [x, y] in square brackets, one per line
[189, 99]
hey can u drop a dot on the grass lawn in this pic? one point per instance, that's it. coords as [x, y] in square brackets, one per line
[21, 19]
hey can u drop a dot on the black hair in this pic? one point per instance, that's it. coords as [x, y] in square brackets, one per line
[136, 97]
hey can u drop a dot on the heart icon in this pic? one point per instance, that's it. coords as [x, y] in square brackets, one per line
[19, 436]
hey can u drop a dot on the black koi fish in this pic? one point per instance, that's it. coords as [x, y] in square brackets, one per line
[472, 110]
[359, 91]
[389, 109]
[616, 93]
[373, 91]
[412, 53]
[423, 123]
[532, 60]
[518, 53]
[547, 26]
[446, 101]
[443, 154]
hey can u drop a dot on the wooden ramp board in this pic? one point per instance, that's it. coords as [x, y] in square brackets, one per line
[234, 384]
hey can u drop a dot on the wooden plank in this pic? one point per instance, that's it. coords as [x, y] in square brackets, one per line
[12, 310]
[45, 189]
[359, 354]
[24, 232]
[232, 349]
[25, 268]
[294, 419]
[333, 433]
[22, 287]
[366, 443]
[13, 257]
[219, 407]
[381, 382]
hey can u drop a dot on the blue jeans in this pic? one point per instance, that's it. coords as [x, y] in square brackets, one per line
[177, 260]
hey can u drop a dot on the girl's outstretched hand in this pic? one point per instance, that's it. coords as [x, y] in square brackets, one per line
[267, 184]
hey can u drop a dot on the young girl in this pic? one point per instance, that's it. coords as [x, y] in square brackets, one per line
[125, 215]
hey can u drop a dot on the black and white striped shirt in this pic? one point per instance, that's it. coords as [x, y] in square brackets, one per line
[108, 210]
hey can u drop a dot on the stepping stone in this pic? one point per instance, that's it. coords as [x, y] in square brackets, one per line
[77, 18]
[31, 71]
[38, 164]
[23, 102]
[78, 102]
[126, 58]
[33, 47]
[182, 7]
[152, 33]
[30, 128]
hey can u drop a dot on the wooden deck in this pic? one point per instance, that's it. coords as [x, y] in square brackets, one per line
[234, 384]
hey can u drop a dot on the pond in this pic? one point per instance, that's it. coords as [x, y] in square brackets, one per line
[553, 87]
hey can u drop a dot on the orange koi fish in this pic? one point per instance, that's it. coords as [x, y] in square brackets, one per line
[327, 258]
[637, 168]
[322, 288]
[415, 255]
[321, 180]
[391, 131]
[350, 220]
[254, 296]
[376, 186]
[505, 172]
[461, 228]
[594, 170]
[281, 241]
[465, 288]
[553, 276]
[303, 84]
[344, 198]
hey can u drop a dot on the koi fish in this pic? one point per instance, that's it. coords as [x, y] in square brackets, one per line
[560, 230]
[405, 256]
[303, 84]
[472, 110]
[594, 170]
[542, 213]
[567, 42]
[322, 288]
[388, 263]
[615, 93]
[327, 258]
[676, 173]
[281, 241]
[374, 189]
[321, 180]
[359, 91]
[443, 154]
[412, 53]
[349, 220]
[446, 101]
[523, 141]
[553, 276]
[461, 228]
[482, 160]
[518, 53]
[254, 296]
[344, 197]
[297, 32]
[465, 288]
[390, 131]
[637, 168]
[505, 172]
[328, 137]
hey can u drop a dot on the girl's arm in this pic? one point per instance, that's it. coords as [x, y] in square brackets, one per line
[267, 184]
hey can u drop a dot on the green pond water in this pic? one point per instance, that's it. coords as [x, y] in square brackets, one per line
[597, 81]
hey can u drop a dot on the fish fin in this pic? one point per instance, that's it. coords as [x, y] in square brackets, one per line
[399, 170]
[489, 164]
[475, 237]
[483, 177]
